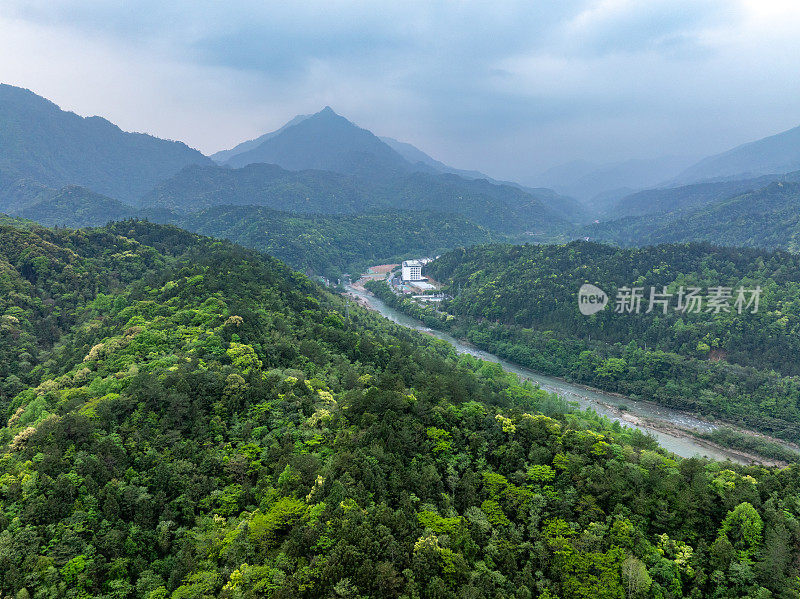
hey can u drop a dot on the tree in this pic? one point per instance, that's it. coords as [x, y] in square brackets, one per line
[636, 578]
[743, 526]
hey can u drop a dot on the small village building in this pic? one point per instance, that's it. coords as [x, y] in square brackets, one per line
[411, 270]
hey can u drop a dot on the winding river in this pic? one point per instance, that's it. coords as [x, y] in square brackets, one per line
[635, 413]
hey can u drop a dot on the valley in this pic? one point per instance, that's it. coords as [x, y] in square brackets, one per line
[675, 430]
[196, 401]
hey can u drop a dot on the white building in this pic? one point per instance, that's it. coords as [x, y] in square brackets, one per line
[412, 270]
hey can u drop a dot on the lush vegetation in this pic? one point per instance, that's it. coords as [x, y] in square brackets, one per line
[503, 208]
[764, 218]
[321, 244]
[74, 206]
[750, 443]
[318, 244]
[193, 419]
[333, 244]
[521, 303]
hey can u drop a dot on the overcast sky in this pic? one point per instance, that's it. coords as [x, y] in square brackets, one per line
[509, 88]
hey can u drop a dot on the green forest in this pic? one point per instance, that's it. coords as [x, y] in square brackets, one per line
[191, 419]
[520, 302]
[737, 213]
[333, 244]
[317, 244]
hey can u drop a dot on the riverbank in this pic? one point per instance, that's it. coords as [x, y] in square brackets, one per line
[676, 431]
[744, 456]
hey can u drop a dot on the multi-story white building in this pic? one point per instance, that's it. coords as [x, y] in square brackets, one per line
[411, 270]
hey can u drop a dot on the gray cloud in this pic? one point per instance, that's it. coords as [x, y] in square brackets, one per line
[510, 88]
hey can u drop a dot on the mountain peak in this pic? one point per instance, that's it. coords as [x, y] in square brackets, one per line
[325, 141]
[328, 114]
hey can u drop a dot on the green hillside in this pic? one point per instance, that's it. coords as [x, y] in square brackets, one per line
[193, 419]
[322, 244]
[199, 187]
[764, 218]
[522, 303]
[333, 244]
[74, 206]
[502, 208]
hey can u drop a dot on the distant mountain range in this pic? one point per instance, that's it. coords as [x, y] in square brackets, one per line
[599, 185]
[319, 163]
[766, 217]
[607, 189]
[774, 154]
[59, 168]
[663, 200]
[42, 146]
[329, 142]
[745, 196]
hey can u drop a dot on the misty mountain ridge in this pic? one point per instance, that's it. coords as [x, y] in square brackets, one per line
[597, 185]
[566, 207]
[767, 217]
[42, 146]
[744, 168]
[88, 171]
[778, 153]
[416, 156]
[502, 208]
[687, 197]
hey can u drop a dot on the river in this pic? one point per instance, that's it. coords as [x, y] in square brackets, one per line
[635, 413]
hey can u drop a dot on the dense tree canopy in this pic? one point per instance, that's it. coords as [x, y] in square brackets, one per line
[197, 420]
[738, 213]
[522, 303]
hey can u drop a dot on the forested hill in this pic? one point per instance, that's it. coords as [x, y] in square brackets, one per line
[768, 218]
[192, 419]
[321, 244]
[523, 302]
[333, 244]
[503, 208]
